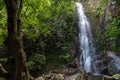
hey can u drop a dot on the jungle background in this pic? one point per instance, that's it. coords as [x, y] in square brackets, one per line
[48, 31]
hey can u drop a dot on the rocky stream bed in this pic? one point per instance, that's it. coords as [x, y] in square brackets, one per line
[77, 76]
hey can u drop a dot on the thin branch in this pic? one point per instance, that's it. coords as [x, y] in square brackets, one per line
[2, 69]
[20, 8]
[18, 17]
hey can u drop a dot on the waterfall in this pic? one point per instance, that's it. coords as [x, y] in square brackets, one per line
[85, 38]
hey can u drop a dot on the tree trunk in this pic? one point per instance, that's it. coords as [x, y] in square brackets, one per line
[17, 69]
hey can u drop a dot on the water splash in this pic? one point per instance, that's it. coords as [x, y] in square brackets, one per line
[85, 38]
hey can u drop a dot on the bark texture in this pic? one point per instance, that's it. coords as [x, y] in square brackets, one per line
[17, 69]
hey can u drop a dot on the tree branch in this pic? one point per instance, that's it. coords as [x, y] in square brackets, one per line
[18, 17]
[2, 69]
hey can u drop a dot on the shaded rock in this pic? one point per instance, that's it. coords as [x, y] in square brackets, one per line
[101, 64]
[106, 63]
[115, 61]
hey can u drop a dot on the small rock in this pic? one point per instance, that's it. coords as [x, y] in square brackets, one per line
[59, 77]
[40, 78]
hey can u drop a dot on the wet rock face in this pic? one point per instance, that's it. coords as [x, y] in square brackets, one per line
[106, 63]
[101, 63]
[90, 6]
[115, 61]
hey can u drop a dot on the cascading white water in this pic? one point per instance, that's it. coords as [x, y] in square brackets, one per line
[85, 38]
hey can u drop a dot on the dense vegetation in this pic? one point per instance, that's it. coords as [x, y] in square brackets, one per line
[48, 32]
[109, 27]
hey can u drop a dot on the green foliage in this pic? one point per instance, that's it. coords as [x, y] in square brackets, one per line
[3, 31]
[3, 60]
[36, 62]
[47, 27]
[50, 22]
[100, 10]
[56, 60]
[109, 40]
[45, 16]
[65, 57]
[112, 32]
[117, 2]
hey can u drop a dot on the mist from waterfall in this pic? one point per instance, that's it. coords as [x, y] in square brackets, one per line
[85, 38]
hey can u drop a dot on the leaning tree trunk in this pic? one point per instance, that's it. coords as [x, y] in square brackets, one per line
[17, 70]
